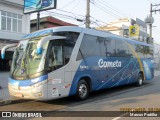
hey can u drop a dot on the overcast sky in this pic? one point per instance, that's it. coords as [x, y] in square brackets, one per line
[104, 11]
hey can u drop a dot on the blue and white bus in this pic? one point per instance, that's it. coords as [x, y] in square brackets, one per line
[66, 61]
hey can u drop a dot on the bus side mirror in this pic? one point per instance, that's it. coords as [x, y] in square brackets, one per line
[39, 50]
[5, 48]
[2, 56]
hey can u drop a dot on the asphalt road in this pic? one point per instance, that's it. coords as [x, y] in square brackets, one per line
[115, 99]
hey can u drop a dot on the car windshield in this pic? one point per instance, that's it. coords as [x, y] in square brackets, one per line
[26, 61]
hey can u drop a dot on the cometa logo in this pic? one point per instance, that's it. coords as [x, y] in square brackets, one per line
[107, 64]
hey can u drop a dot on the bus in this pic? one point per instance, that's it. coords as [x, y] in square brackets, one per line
[73, 61]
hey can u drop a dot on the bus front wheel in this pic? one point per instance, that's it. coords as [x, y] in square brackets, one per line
[140, 80]
[82, 90]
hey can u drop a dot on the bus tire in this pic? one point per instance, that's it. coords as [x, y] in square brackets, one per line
[82, 90]
[140, 80]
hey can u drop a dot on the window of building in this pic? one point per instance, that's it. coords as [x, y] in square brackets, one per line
[11, 22]
[3, 23]
[14, 25]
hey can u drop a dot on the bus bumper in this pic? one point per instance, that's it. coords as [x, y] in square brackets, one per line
[43, 92]
[28, 92]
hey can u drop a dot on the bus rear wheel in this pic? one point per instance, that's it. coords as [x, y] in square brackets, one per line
[82, 90]
[140, 80]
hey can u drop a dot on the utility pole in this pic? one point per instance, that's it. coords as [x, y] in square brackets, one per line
[88, 14]
[150, 26]
[151, 11]
[38, 20]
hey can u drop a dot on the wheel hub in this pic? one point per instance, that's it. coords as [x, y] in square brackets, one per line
[82, 90]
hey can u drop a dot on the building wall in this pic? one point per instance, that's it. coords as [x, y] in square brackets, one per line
[121, 27]
[12, 7]
[48, 22]
[8, 10]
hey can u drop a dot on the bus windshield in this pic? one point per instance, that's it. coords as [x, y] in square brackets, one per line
[26, 61]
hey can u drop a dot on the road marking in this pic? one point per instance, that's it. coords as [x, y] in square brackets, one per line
[120, 116]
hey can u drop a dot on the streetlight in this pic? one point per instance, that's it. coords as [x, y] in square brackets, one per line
[149, 21]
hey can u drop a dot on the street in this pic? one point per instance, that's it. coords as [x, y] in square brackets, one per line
[57, 48]
[114, 99]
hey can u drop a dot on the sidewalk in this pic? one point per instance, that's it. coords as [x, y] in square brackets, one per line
[156, 73]
[4, 93]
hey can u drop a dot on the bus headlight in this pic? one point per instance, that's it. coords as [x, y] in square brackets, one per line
[39, 84]
[38, 94]
[36, 85]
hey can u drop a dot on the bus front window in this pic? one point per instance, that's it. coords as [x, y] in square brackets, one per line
[26, 62]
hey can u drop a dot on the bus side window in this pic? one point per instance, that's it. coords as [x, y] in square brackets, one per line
[151, 51]
[122, 49]
[89, 47]
[140, 50]
[107, 47]
[148, 52]
[51, 57]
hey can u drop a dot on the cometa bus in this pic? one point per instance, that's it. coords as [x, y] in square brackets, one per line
[66, 61]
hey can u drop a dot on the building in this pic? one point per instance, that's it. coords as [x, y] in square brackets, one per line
[130, 28]
[157, 55]
[47, 22]
[13, 26]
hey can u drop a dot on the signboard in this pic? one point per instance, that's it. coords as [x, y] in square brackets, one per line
[31, 6]
[134, 31]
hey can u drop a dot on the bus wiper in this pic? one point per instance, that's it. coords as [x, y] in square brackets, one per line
[25, 62]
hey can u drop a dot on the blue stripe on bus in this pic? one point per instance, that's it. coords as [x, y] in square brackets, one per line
[28, 82]
[38, 33]
[126, 74]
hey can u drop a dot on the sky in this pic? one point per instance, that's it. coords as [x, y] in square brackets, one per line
[104, 11]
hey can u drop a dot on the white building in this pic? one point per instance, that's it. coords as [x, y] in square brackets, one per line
[122, 27]
[13, 23]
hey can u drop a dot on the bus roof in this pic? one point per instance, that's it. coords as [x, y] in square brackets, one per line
[80, 29]
[51, 30]
[138, 42]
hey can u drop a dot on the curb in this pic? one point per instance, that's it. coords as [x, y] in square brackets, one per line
[6, 102]
[13, 101]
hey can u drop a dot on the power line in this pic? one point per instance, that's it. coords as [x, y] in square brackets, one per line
[74, 16]
[111, 8]
[117, 9]
[98, 20]
[62, 15]
[76, 5]
[67, 16]
[68, 4]
[105, 10]
[55, 9]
